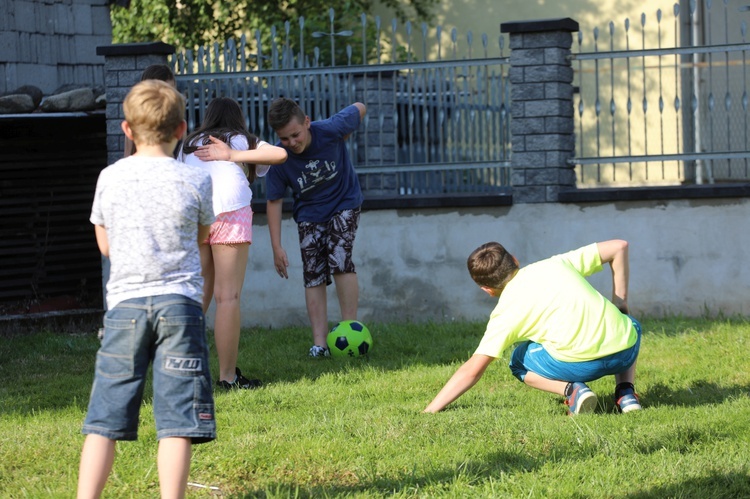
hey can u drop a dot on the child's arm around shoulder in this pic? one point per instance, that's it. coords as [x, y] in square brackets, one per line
[266, 154]
[464, 378]
[615, 252]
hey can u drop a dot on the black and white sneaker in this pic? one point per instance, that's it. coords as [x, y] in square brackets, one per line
[319, 351]
[240, 382]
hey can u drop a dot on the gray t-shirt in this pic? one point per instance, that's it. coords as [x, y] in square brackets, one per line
[151, 208]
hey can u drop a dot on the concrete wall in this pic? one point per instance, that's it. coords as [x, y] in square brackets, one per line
[687, 257]
[52, 43]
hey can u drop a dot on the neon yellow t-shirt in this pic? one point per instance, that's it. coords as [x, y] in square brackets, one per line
[550, 302]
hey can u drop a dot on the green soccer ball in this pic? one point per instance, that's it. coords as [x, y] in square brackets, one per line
[349, 339]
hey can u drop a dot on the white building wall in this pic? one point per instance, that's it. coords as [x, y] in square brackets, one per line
[687, 257]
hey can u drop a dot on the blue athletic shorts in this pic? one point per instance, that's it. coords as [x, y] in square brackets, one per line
[531, 356]
[170, 332]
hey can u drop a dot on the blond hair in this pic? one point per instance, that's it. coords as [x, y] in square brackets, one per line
[154, 110]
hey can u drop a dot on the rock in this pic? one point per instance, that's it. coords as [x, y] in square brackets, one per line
[35, 93]
[81, 99]
[67, 87]
[16, 104]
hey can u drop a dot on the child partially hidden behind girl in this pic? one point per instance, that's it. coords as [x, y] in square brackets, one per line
[224, 258]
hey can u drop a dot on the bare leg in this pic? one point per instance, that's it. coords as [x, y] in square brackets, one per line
[626, 376]
[347, 290]
[317, 311]
[174, 465]
[548, 385]
[207, 270]
[625, 399]
[96, 462]
[230, 263]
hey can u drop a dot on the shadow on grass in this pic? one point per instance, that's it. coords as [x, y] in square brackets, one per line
[494, 467]
[281, 355]
[48, 371]
[715, 486]
[678, 326]
[698, 394]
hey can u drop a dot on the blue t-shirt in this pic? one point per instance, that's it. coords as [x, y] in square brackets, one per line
[322, 178]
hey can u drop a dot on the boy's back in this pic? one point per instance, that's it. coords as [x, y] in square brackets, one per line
[551, 302]
[151, 208]
[566, 333]
[149, 212]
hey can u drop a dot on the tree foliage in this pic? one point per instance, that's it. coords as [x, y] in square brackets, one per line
[191, 23]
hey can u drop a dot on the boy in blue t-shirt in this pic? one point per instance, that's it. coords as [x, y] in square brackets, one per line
[327, 200]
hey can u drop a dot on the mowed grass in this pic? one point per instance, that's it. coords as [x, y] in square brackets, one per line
[354, 427]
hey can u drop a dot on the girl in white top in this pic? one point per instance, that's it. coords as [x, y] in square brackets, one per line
[224, 258]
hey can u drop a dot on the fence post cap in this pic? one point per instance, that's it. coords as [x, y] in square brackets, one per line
[124, 49]
[540, 25]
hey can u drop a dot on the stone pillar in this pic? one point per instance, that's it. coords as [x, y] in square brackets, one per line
[542, 125]
[123, 65]
[377, 135]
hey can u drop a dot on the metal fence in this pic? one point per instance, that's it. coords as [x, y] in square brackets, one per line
[664, 100]
[436, 123]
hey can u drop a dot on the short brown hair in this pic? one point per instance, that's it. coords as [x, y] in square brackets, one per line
[154, 110]
[281, 112]
[492, 266]
[158, 72]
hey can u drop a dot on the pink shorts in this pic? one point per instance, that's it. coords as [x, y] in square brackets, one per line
[232, 227]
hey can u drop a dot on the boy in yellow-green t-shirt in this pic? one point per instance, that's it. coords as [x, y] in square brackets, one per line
[567, 332]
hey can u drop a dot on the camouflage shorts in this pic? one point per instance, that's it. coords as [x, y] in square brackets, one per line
[327, 247]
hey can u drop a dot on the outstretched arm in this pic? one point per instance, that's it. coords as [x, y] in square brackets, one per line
[463, 379]
[615, 252]
[266, 154]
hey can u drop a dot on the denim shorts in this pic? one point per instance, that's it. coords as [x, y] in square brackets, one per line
[168, 331]
[531, 356]
[327, 247]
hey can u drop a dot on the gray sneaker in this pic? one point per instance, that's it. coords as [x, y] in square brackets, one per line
[582, 399]
[318, 351]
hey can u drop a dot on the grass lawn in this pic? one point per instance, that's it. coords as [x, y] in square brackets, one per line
[354, 427]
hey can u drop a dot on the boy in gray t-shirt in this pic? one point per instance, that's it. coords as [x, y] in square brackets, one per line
[150, 212]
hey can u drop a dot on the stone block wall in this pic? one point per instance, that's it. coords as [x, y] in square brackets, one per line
[124, 65]
[542, 128]
[52, 43]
